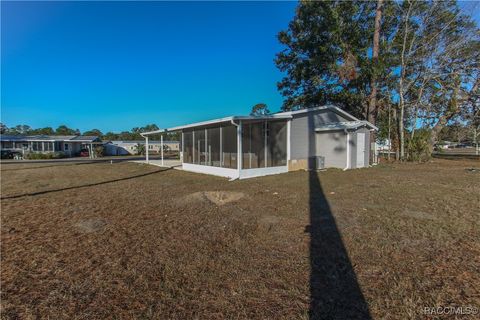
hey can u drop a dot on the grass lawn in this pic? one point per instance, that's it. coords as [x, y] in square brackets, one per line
[125, 240]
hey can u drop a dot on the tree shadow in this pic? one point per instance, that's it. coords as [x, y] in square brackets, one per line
[334, 289]
[84, 185]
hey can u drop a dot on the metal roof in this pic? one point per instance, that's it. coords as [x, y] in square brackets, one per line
[345, 125]
[47, 138]
[326, 107]
[143, 142]
[274, 116]
[278, 115]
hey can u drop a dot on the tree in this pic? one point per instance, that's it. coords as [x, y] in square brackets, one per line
[42, 131]
[3, 128]
[260, 109]
[370, 113]
[420, 72]
[19, 129]
[438, 57]
[326, 56]
[93, 132]
[65, 131]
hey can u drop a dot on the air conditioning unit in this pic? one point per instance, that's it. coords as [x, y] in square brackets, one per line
[319, 162]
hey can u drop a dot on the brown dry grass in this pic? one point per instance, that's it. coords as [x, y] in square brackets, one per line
[158, 246]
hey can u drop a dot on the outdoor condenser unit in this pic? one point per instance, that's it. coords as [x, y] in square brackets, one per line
[319, 162]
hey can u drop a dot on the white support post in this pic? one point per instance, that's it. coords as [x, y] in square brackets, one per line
[289, 128]
[265, 143]
[161, 146]
[239, 147]
[193, 146]
[146, 150]
[183, 149]
[43, 146]
[91, 151]
[221, 147]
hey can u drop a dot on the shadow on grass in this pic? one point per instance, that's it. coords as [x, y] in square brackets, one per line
[53, 165]
[83, 186]
[334, 290]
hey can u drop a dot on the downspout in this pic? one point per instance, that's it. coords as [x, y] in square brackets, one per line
[348, 151]
[238, 146]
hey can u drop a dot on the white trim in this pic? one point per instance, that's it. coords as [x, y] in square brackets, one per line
[345, 125]
[260, 172]
[348, 164]
[239, 147]
[161, 147]
[221, 120]
[146, 150]
[216, 171]
[330, 107]
[289, 130]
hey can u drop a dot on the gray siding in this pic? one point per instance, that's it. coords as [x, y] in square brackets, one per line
[306, 143]
[333, 146]
[302, 132]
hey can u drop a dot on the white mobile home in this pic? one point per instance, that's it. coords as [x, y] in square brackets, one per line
[68, 145]
[250, 146]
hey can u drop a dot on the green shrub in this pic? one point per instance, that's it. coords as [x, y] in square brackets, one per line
[40, 156]
[99, 151]
[418, 147]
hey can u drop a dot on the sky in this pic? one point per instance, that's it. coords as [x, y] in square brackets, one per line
[118, 65]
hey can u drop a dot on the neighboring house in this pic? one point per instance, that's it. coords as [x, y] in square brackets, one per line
[69, 145]
[115, 148]
[250, 146]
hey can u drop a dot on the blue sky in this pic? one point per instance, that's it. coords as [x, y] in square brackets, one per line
[114, 66]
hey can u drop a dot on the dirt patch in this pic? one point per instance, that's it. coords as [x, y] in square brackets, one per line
[91, 225]
[218, 198]
[418, 215]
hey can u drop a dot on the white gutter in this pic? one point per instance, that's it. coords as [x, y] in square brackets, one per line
[238, 153]
[348, 151]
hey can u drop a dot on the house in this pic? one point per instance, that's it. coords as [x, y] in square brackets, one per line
[249, 146]
[116, 148]
[69, 145]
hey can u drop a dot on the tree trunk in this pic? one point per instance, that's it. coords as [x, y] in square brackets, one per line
[372, 101]
[371, 112]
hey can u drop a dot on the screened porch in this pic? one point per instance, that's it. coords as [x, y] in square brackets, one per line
[236, 150]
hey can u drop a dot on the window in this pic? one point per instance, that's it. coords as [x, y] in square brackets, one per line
[66, 146]
[7, 144]
[36, 146]
[48, 146]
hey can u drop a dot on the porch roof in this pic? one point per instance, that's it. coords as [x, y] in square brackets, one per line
[221, 120]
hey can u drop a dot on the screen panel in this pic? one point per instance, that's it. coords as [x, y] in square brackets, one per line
[277, 143]
[229, 147]
[188, 146]
[213, 147]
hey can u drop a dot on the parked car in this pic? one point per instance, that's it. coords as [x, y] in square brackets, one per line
[84, 153]
[6, 154]
[9, 154]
